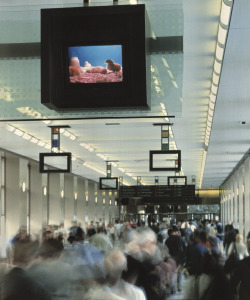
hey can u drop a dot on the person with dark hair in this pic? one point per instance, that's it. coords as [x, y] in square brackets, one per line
[91, 229]
[177, 249]
[195, 255]
[154, 227]
[241, 278]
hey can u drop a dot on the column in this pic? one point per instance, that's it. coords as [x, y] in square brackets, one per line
[247, 198]
[68, 201]
[241, 200]
[81, 201]
[24, 211]
[55, 195]
[75, 197]
[2, 195]
[236, 192]
[45, 199]
[36, 199]
[86, 203]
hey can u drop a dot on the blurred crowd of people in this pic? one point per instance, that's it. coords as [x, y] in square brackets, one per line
[127, 260]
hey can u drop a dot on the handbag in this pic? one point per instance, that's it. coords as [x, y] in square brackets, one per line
[232, 261]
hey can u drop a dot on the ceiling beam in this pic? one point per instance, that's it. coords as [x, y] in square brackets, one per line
[169, 44]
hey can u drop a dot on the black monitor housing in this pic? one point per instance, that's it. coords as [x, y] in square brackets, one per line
[106, 183]
[55, 162]
[126, 26]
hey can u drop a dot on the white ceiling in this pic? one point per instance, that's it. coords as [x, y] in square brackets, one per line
[130, 142]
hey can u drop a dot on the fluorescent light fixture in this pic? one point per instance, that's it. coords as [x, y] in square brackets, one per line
[217, 67]
[62, 130]
[170, 74]
[167, 119]
[165, 62]
[214, 89]
[162, 105]
[216, 78]
[212, 98]
[153, 34]
[225, 14]
[211, 105]
[209, 123]
[114, 164]
[41, 143]
[62, 193]
[156, 82]
[10, 128]
[26, 136]
[129, 174]
[210, 112]
[66, 133]
[222, 35]
[19, 132]
[47, 146]
[175, 84]
[72, 137]
[121, 169]
[210, 119]
[46, 122]
[219, 52]
[102, 156]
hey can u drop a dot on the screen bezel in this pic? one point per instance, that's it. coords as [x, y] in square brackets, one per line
[42, 165]
[177, 177]
[108, 188]
[151, 160]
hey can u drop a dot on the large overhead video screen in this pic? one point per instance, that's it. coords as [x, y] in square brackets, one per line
[95, 57]
[108, 183]
[165, 160]
[55, 162]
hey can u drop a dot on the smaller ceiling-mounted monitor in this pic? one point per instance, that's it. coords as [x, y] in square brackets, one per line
[177, 180]
[165, 160]
[55, 162]
[108, 183]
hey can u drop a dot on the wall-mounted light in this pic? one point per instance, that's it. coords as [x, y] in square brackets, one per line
[87, 197]
[45, 191]
[23, 186]
[96, 199]
[115, 203]
[103, 201]
[62, 193]
[110, 202]
[75, 195]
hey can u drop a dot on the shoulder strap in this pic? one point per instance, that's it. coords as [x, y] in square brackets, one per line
[235, 250]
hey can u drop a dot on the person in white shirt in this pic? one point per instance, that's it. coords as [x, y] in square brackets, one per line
[240, 247]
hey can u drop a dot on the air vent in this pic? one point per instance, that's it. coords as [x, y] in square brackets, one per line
[141, 160]
[112, 124]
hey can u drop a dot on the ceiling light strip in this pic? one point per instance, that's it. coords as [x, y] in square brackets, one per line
[223, 27]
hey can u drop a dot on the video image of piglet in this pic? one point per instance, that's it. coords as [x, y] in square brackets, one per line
[95, 64]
